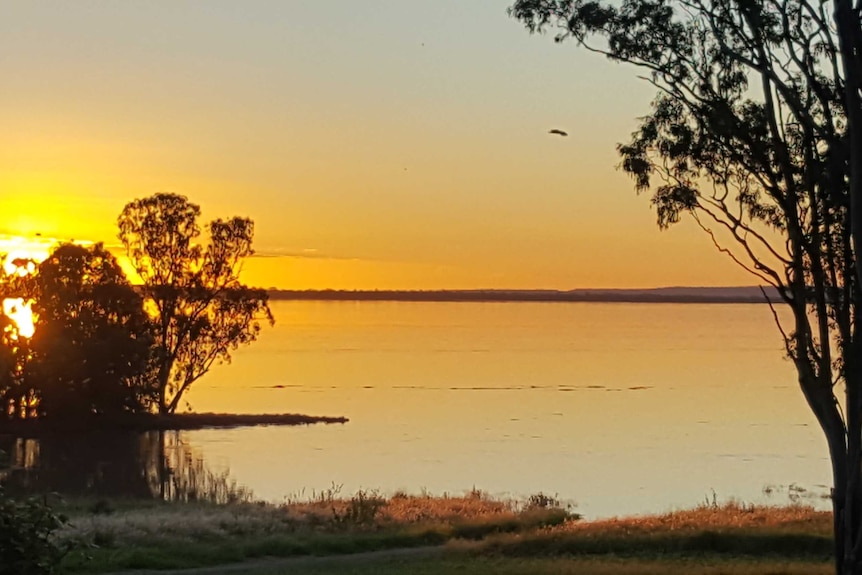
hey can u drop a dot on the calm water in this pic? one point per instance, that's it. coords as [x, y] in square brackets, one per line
[622, 408]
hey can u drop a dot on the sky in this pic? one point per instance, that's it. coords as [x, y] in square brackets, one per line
[391, 144]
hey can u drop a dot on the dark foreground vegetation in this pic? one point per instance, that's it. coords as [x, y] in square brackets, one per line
[479, 534]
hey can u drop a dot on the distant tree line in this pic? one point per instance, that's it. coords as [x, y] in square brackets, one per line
[103, 346]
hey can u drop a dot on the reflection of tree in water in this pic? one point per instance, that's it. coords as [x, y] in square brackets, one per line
[184, 475]
[137, 465]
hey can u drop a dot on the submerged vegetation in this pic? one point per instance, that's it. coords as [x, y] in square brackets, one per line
[166, 422]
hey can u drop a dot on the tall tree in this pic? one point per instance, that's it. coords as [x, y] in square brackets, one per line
[201, 309]
[755, 134]
[91, 351]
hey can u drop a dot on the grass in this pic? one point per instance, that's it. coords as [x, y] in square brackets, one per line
[118, 535]
[473, 533]
[733, 529]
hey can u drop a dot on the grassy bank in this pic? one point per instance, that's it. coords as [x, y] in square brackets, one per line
[732, 529]
[156, 422]
[479, 534]
[115, 535]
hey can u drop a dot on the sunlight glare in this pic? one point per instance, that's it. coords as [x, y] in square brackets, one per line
[21, 313]
[11, 265]
[19, 250]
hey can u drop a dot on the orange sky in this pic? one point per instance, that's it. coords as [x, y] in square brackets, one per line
[378, 144]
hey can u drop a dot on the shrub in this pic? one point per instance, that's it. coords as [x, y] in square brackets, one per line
[26, 543]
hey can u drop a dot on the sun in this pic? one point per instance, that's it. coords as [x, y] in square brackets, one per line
[20, 256]
[20, 312]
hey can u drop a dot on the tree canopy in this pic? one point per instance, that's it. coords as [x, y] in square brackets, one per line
[92, 349]
[201, 310]
[105, 346]
[755, 133]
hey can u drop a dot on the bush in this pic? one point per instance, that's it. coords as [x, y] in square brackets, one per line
[26, 529]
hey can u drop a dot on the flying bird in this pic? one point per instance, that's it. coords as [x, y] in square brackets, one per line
[558, 132]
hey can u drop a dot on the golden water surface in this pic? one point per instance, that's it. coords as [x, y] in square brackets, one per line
[623, 408]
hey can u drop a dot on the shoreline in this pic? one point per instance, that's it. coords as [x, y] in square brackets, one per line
[645, 296]
[156, 422]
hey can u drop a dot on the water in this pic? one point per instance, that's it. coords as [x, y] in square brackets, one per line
[621, 408]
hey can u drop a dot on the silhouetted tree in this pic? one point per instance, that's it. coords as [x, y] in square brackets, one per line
[201, 309]
[16, 400]
[756, 134]
[92, 347]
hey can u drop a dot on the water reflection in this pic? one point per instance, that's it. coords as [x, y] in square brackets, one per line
[159, 465]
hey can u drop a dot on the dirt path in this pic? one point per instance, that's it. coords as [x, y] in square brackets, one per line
[249, 567]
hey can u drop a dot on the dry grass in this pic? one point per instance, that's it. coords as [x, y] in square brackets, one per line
[324, 512]
[731, 516]
[183, 535]
[118, 535]
[729, 530]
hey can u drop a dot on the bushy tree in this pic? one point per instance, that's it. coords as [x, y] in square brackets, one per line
[92, 348]
[201, 309]
[756, 134]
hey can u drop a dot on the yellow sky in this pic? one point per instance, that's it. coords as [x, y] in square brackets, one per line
[377, 144]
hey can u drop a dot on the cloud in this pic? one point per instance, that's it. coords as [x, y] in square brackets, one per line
[273, 253]
[34, 242]
[306, 253]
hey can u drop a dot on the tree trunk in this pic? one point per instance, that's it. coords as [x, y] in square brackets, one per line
[852, 524]
[847, 22]
[838, 527]
[164, 378]
[838, 455]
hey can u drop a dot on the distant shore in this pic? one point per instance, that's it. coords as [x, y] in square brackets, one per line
[704, 295]
[154, 422]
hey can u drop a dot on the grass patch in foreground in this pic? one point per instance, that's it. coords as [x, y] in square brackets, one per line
[117, 536]
[732, 530]
[480, 534]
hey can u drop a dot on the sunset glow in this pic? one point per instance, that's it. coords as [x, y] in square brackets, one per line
[411, 152]
[21, 257]
[20, 312]
[543, 274]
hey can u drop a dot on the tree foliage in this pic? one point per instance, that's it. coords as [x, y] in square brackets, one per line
[91, 352]
[756, 134]
[15, 398]
[202, 312]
